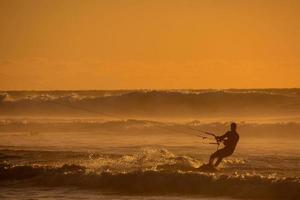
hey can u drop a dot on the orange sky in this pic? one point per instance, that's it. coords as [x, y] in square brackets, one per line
[154, 44]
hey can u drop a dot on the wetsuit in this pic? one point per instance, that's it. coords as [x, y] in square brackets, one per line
[230, 140]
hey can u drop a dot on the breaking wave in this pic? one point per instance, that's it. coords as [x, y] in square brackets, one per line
[142, 127]
[156, 182]
[151, 103]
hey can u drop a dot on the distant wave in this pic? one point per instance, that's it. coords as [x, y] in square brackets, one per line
[143, 127]
[155, 182]
[152, 103]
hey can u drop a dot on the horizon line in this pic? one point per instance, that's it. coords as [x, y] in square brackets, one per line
[151, 89]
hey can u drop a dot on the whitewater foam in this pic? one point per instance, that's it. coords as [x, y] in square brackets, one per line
[156, 182]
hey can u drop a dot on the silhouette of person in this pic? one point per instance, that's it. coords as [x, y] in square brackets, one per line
[230, 140]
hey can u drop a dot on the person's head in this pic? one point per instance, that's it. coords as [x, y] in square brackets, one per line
[233, 126]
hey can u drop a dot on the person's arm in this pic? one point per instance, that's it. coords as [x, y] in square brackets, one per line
[222, 137]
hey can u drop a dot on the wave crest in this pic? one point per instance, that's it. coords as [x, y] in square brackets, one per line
[156, 182]
[148, 103]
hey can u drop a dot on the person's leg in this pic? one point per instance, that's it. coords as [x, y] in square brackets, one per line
[223, 154]
[211, 159]
[219, 160]
[213, 156]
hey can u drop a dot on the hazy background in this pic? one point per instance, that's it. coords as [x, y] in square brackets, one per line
[104, 44]
[67, 130]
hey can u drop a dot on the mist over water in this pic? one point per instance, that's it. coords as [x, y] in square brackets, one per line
[115, 143]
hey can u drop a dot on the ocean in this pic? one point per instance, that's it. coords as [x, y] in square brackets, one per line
[145, 144]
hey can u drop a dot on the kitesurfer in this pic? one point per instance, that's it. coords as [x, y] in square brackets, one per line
[230, 140]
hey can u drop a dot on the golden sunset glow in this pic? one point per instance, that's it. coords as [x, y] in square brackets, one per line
[150, 99]
[154, 44]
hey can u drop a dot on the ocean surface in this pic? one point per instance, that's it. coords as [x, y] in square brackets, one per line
[148, 144]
